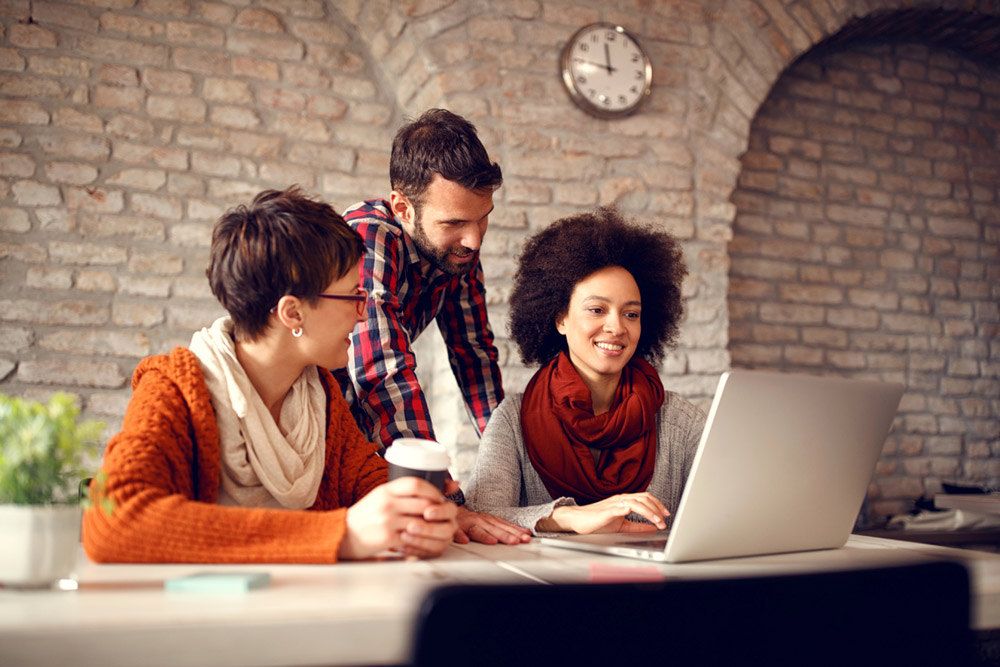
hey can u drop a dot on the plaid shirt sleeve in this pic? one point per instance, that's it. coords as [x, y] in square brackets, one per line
[382, 368]
[473, 356]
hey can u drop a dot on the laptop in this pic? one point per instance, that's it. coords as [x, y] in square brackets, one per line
[783, 465]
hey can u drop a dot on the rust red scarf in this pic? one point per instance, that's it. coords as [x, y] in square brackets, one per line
[559, 425]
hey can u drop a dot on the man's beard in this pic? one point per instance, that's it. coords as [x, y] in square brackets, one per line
[440, 257]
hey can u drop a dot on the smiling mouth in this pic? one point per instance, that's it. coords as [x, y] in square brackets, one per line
[611, 347]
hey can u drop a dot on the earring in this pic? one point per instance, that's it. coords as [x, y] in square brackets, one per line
[297, 332]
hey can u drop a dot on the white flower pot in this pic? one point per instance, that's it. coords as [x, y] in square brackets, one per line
[40, 543]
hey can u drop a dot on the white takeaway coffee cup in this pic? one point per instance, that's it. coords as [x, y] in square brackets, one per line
[416, 457]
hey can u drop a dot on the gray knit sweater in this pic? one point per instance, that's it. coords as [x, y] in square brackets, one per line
[505, 484]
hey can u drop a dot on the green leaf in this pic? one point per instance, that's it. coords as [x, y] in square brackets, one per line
[43, 449]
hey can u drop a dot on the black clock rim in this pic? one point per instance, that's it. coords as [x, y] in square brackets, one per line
[579, 98]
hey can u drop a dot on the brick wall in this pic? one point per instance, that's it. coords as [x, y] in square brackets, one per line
[128, 126]
[867, 244]
[126, 129]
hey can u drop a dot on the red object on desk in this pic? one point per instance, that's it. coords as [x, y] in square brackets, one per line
[601, 573]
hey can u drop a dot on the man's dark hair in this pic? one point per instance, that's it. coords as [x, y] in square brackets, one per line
[440, 142]
[283, 243]
[557, 258]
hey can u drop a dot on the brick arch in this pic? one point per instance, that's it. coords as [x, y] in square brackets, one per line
[866, 228]
[419, 68]
[754, 43]
[398, 42]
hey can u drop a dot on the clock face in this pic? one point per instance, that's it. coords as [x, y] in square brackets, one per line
[606, 71]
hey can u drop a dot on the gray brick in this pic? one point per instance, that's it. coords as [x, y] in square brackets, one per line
[72, 372]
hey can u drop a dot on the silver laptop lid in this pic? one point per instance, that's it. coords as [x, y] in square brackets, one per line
[783, 464]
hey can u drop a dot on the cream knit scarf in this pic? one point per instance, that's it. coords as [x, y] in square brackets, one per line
[263, 464]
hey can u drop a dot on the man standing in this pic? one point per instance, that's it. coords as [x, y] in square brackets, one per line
[422, 264]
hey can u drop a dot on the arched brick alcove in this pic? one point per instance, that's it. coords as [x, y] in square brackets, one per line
[866, 237]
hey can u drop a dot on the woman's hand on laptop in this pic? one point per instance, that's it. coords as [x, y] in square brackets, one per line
[608, 515]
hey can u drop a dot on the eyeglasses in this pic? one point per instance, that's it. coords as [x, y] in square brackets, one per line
[360, 299]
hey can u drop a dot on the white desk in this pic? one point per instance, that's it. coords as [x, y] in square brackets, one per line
[346, 614]
[351, 613]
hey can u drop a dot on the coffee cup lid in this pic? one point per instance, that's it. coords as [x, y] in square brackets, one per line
[418, 453]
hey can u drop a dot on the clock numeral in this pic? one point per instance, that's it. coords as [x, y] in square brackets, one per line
[639, 74]
[593, 93]
[635, 57]
[581, 79]
[611, 36]
[622, 99]
[633, 89]
[593, 38]
[606, 100]
[584, 47]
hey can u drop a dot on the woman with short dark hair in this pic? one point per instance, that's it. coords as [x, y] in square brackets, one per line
[241, 448]
[595, 443]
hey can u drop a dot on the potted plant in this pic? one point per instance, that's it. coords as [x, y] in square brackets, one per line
[43, 450]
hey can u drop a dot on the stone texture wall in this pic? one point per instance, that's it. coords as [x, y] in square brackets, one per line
[128, 126]
[867, 244]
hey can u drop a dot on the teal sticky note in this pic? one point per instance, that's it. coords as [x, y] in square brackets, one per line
[218, 582]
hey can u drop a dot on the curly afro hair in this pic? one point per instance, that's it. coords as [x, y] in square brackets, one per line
[557, 258]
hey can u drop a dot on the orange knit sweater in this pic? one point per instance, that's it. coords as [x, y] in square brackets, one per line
[163, 474]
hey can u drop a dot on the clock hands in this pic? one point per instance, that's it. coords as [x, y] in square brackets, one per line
[607, 58]
[607, 67]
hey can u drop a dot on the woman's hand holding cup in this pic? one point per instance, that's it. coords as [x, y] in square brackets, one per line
[409, 513]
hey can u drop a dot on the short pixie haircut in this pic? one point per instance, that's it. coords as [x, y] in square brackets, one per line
[440, 142]
[283, 243]
[557, 258]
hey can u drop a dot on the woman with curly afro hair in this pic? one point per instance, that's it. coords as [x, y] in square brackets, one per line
[595, 443]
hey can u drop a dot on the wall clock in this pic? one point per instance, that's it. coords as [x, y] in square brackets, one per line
[606, 71]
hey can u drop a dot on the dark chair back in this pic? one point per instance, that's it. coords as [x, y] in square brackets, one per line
[907, 615]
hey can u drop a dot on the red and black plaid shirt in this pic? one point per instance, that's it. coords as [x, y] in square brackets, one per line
[382, 388]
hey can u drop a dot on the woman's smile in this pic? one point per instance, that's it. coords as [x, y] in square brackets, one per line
[611, 348]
